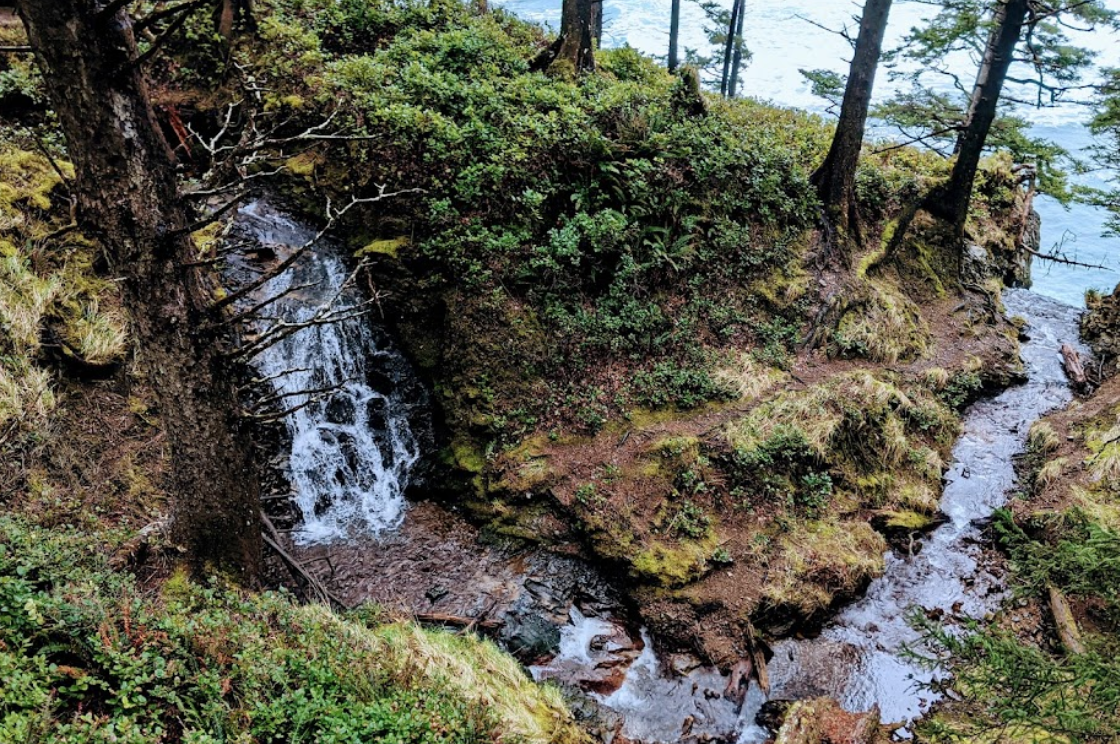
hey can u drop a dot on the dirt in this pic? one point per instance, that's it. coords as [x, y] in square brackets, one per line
[103, 459]
[712, 615]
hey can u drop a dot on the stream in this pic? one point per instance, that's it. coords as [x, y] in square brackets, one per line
[354, 444]
[859, 657]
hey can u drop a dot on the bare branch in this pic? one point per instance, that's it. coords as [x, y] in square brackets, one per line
[110, 10]
[158, 15]
[160, 40]
[247, 314]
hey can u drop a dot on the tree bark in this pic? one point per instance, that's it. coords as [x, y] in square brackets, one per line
[836, 178]
[728, 48]
[951, 203]
[737, 52]
[597, 22]
[128, 197]
[674, 35]
[577, 36]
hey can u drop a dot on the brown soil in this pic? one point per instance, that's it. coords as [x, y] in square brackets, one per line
[100, 464]
[712, 615]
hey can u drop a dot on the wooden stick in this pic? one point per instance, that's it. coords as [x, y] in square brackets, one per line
[1068, 633]
[316, 586]
[1071, 360]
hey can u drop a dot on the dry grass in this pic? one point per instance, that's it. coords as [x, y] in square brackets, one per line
[747, 377]
[822, 559]
[1042, 438]
[37, 285]
[886, 327]
[477, 669]
[1050, 473]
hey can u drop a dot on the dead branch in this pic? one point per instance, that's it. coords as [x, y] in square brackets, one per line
[332, 217]
[1066, 624]
[261, 380]
[247, 314]
[158, 15]
[1071, 361]
[160, 40]
[111, 9]
[320, 393]
[282, 329]
[272, 539]
[214, 216]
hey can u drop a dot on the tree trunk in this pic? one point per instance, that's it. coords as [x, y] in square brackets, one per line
[951, 203]
[597, 22]
[836, 178]
[674, 35]
[736, 9]
[576, 36]
[737, 53]
[129, 198]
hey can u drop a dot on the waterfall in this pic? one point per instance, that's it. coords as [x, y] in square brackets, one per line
[345, 386]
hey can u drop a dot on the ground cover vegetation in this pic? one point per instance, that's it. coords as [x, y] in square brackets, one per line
[640, 342]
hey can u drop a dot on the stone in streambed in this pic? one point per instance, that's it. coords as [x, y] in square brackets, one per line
[823, 721]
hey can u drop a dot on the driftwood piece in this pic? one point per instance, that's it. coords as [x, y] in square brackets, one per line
[1068, 633]
[1075, 371]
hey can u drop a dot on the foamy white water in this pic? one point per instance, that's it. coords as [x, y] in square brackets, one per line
[352, 446]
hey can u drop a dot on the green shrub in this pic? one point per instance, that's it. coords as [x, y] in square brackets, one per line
[87, 655]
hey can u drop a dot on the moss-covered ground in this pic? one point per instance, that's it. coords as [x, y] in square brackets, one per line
[632, 322]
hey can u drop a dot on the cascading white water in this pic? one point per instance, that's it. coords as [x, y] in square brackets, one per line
[352, 444]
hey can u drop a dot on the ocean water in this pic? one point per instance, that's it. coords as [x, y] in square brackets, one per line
[786, 37]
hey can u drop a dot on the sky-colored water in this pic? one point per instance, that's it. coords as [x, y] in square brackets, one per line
[782, 41]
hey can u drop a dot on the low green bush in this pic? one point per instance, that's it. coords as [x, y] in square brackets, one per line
[89, 655]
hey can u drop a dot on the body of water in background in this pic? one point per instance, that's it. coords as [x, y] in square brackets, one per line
[782, 42]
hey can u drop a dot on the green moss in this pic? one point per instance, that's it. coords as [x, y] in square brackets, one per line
[821, 560]
[907, 520]
[390, 247]
[671, 565]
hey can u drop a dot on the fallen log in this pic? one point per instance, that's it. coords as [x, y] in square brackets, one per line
[1068, 633]
[1071, 360]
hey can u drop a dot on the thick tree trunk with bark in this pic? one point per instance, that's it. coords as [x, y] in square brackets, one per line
[674, 35]
[951, 203]
[597, 22]
[128, 197]
[577, 35]
[836, 178]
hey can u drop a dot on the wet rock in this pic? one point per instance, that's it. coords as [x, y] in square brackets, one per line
[436, 593]
[1100, 328]
[823, 721]
[773, 714]
[1009, 262]
[531, 637]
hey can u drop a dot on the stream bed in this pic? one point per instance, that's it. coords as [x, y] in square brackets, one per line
[354, 443]
[859, 658]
